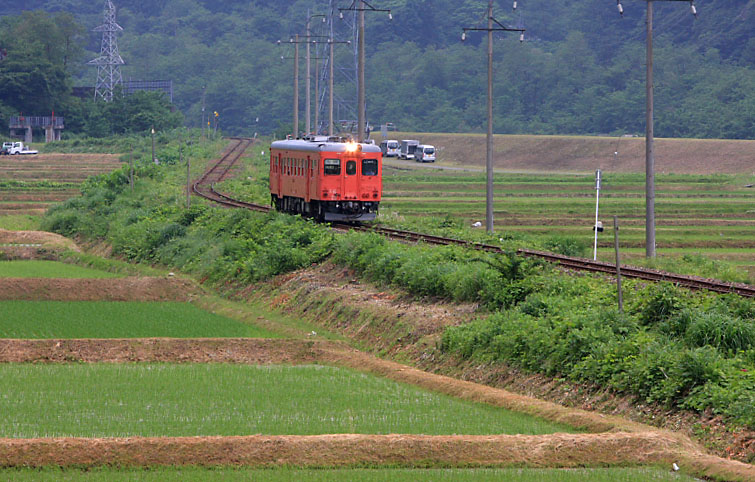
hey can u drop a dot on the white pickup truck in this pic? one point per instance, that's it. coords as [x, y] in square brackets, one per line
[13, 148]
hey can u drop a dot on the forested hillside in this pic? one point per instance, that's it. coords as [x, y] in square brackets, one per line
[580, 71]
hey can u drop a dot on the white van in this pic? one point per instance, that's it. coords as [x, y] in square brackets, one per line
[424, 153]
[390, 148]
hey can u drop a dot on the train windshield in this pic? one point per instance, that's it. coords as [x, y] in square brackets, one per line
[351, 168]
[332, 167]
[369, 167]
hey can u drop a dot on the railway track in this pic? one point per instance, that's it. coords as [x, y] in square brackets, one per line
[205, 187]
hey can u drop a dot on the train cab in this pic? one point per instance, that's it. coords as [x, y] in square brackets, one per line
[331, 181]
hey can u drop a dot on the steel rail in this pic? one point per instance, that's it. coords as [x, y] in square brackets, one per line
[568, 262]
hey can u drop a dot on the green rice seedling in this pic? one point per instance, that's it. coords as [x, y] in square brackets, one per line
[102, 319]
[49, 269]
[118, 400]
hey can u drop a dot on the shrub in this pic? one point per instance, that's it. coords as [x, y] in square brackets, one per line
[566, 245]
[663, 301]
[720, 331]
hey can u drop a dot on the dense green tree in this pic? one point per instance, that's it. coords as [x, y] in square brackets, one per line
[581, 70]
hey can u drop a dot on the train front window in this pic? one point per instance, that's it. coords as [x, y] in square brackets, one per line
[332, 167]
[351, 168]
[369, 167]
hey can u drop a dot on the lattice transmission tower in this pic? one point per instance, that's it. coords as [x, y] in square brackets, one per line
[109, 62]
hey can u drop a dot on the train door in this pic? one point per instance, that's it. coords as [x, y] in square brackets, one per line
[350, 179]
[308, 179]
[280, 174]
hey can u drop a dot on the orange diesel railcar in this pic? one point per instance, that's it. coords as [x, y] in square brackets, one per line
[330, 181]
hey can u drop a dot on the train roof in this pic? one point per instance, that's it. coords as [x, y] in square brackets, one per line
[319, 146]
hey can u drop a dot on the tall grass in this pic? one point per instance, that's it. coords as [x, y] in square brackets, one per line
[101, 400]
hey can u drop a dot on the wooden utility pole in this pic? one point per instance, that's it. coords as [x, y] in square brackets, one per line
[618, 262]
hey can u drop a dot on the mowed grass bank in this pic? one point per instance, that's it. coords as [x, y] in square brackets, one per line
[120, 319]
[50, 269]
[106, 400]
[356, 475]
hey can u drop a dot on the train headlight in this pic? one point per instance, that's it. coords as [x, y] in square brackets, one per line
[352, 147]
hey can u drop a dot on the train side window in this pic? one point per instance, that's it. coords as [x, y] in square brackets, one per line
[369, 167]
[332, 167]
[351, 168]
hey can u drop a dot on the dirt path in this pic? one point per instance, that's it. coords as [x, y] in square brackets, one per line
[112, 289]
[349, 450]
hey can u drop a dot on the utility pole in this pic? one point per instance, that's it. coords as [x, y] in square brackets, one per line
[363, 6]
[309, 72]
[649, 134]
[331, 70]
[154, 159]
[295, 40]
[204, 91]
[498, 27]
[188, 175]
[296, 87]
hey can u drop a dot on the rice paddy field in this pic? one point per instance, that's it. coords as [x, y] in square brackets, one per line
[119, 400]
[50, 269]
[117, 319]
[30, 184]
[356, 475]
[150, 399]
[712, 215]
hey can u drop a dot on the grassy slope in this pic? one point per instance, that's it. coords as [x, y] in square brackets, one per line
[585, 154]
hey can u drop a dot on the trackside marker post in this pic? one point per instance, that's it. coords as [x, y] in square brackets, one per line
[618, 262]
[597, 226]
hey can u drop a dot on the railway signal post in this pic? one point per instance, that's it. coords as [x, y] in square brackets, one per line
[498, 27]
